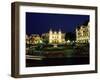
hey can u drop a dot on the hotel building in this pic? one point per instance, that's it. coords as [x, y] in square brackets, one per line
[83, 33]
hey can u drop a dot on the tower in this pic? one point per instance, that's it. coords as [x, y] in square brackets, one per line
[59, 36]
[50, 36]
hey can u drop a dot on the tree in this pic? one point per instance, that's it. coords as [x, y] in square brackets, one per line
[45, 41]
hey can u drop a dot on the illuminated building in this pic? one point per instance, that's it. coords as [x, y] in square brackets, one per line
[83, 33]
[56, 37]
[36, 39]
[52, 37]
[33, 39]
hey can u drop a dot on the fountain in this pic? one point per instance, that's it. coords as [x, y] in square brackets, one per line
[54, 45]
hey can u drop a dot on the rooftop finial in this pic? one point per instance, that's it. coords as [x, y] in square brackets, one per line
[50, 29]
[59, 30]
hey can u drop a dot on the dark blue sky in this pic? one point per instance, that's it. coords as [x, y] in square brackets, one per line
[38, 23]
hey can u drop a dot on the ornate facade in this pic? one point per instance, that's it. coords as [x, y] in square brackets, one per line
[33, 39]
[56, 37]
[52, 37]
[83, 34]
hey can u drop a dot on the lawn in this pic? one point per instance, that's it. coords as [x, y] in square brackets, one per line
[63, 51]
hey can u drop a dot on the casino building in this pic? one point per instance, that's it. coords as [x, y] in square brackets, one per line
[56, 37]
[52, 37]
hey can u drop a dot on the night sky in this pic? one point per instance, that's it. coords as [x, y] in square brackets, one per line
[38, 23]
